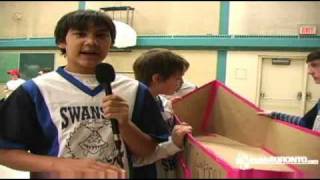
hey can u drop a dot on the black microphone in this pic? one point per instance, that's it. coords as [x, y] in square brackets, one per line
[105, 75]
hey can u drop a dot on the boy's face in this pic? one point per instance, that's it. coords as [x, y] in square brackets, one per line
[14, 77]
[314, 70]
[171, 85]
[86, 48]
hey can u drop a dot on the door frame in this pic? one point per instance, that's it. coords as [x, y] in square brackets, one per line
[304, 83]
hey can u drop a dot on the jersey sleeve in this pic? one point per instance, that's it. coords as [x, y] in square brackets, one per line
[147, 116]
[19, 128]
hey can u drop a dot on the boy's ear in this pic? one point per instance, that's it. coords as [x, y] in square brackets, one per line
[62, 45]
[156, 78]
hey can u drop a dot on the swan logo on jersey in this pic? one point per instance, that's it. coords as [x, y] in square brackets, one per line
[92, 139]
[93, 143]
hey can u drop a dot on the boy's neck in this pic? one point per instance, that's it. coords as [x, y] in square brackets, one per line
[80, 71]
[153, 92]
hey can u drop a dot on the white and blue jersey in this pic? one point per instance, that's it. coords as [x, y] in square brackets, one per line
[60, 114]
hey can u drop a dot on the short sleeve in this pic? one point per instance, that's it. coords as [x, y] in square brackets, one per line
[147, 116]
[19, 128]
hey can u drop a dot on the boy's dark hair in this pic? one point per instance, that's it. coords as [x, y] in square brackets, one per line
[158, 61]
[315, 55]
[81, 20]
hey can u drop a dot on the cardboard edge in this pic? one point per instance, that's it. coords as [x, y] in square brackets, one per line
[231, 172]
[205, 119]
[300, 128]
[186, 170]
[192, 92]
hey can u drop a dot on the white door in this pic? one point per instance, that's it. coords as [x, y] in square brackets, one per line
[281, 86]
[312, 93]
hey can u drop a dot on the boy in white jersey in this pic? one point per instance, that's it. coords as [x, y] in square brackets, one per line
[61, 117]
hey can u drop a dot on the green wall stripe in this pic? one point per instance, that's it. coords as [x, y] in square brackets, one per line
[230, 41]
[221, 65]
[223, 30]
[226, 42]
[82, 5]
[27, 43]
[224, 17]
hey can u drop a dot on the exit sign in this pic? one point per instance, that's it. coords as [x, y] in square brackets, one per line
[308, 30]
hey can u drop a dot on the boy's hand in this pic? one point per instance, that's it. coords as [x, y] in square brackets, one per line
[176, 98]
[115, 107]
[265, 113]
[178, 133]
[82, 168]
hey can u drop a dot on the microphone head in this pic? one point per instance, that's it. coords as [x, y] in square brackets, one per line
[105, 73]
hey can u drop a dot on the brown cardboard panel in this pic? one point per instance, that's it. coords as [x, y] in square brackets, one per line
[192, 108]
[234, 153]
[236, 120]
[239, 129]
[201, 165]
[287, 141]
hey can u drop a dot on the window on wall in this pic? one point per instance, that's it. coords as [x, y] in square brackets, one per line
[32, 63]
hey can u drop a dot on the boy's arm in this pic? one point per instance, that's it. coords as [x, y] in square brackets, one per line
[145, 130]
[22, 160]
[139, 143]
[168, 148]
[297, 120]
[58, 167]
[286, 117]
[163, 150]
